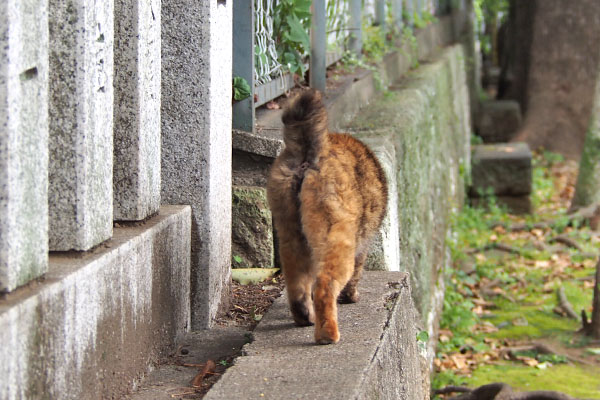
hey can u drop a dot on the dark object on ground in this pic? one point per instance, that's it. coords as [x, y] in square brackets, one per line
[592, 328]
[500, 391]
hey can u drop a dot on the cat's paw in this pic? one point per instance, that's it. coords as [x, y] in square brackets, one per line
[327, 333]
[348, 296]
[302, 314]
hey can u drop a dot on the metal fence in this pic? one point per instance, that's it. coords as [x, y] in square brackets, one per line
[336, 27]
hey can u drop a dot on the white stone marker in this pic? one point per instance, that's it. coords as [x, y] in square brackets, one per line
[136, 179]
[81, 123]
[23, 141]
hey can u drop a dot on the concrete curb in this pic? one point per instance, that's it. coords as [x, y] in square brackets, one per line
[377, 356]
[100, 318]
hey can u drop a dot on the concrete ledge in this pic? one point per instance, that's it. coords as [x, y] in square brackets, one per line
[377, 356]
[100, 318]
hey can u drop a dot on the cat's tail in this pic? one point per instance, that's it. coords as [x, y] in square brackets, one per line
[305, 132]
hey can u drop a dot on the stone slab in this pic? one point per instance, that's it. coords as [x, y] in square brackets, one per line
[136, 172]
[23, 141]
[503, 169]
[81, 123]
[251, 228]
[101, 318]
[220, 343]
[196, 140]
[377, 356]
[498, 121]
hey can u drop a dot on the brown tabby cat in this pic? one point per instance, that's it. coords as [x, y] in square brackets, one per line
[328, 196]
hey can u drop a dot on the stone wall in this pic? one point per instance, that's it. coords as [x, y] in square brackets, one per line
[108, 110]
[424, 148]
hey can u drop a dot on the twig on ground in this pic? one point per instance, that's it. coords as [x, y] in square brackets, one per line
[564, 304]
[566, 241]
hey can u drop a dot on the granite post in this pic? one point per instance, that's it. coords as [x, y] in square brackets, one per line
[81, 123]
[23, 141]
[136, 170]
[196, 140]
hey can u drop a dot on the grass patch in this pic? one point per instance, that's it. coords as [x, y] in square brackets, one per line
[572, 380]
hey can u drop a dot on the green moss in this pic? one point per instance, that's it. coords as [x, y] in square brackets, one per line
[570, 379]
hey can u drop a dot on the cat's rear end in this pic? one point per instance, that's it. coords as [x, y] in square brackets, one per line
[328, 196]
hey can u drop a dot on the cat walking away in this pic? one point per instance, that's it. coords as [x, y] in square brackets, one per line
[328, 196]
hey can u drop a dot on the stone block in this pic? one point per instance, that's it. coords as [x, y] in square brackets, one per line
[196, 140]
[136, 172]
[502, 169]
[251, 228]
[497, 121]
[81, 123]
[102, 318]
[23, 141]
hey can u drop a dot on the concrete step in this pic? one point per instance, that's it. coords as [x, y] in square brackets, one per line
[101, 318]
[377, 357]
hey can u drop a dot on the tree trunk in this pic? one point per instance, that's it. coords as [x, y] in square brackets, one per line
[594, 329]
[587, 189]
[563, 60]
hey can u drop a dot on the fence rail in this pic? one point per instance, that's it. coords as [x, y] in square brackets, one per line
[336, 27]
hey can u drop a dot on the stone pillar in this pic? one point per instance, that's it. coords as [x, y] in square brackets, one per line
[81, 123]
[136, 178]
[23, 141]
[196, 139]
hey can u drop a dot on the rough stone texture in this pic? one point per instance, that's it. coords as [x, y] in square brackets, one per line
[23, 141]
[136, 172]
[101, 318]
[426, 117]
[504, 168]
[377, 356]
[498, 121]
[251, 228]
[81, 123]
[196, 139]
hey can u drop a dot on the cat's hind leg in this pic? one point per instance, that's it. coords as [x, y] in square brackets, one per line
[350, 292]
[299, 277]
[335, 262]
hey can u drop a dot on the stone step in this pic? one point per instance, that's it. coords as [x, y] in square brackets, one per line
[377, 357]
[497, 121]
[503, 170]
[101, 318]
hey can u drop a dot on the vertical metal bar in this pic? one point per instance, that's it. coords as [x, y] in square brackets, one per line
[243, 62]
[397, 13]
[380, 13]
[355, 42]
[318, 46]
[410, 10]
[420, 8]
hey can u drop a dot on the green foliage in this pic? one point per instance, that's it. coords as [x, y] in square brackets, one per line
[489, 12]
[291, 22]
[241, 88]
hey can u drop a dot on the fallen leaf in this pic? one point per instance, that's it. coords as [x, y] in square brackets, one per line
[209, 368]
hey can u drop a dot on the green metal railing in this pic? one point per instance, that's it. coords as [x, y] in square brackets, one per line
[336, 27]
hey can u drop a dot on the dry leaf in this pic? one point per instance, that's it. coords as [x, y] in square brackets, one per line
[208, 368]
